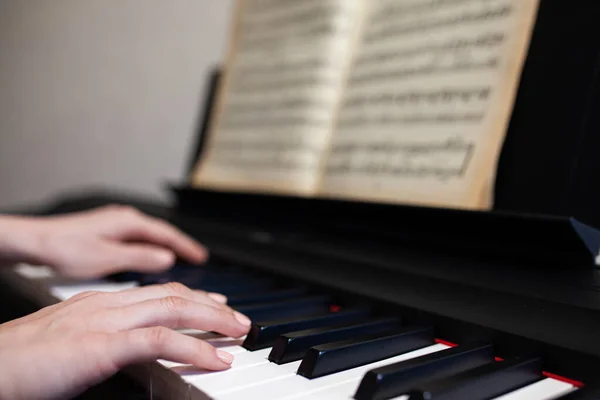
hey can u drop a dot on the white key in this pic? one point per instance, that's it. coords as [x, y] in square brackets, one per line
[34, 272]
[295, 386]
[241, 360]
[344, 391]
[546, 389]
[193, 332]
[170, 364]
[245, 377]
[64, 292]
[66, 289]
[231, 345]
[228, 344]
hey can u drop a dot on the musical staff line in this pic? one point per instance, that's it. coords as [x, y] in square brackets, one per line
[487, 40]
[393, 10]
[441, 160]
[424, 70]
[415, 97]
[466, 17]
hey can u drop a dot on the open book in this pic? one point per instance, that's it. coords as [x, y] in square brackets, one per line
[397, 101]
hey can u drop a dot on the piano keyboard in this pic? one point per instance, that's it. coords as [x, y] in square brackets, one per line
[306, 345]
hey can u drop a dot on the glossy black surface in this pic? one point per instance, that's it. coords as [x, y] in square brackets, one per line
[293, 346]
[482, 383]
[286, 309]
[339, 356]
[397, 379]
[239, 288]
[266, 296]
[264, 334]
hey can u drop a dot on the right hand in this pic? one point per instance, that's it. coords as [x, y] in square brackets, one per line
[62, 350]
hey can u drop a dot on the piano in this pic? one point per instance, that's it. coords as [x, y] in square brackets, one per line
[337, 316]
[372, 302]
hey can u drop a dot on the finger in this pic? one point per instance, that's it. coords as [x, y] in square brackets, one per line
[149, 344]
[218, 297]
[174, 312]
[159, 232]
[137, 257]
[139, 294]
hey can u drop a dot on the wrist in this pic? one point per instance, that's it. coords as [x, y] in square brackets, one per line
[20, 239]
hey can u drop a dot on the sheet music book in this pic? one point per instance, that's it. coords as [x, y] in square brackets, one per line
[395, 101]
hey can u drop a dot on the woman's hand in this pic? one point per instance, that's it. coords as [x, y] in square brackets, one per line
[60, 351]
[96, 243]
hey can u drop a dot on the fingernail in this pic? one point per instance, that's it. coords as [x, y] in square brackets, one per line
[219, 298]
[242, 319]
[165, 257]
[225, 357]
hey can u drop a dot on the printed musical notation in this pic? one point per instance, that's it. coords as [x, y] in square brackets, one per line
[455, 45]
[438, 159]
[433, 67]
[393, 9]
[416, 114]
[288, 154]
[392, 107]
[272, 24]
[282, 91]
[485, 12]
[384, 100]
[261, 161]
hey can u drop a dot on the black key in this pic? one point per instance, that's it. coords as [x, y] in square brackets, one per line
[197, 280]
[294, 345]
[396, 379]
[221, 277]
[482, 383]
[263, 334]
[125, 277]
[286, 309]
[265, 297]
[195, 276]
[584, 393]
[236, 288]
[339, 356]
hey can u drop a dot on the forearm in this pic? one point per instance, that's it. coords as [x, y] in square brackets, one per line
[19, 239]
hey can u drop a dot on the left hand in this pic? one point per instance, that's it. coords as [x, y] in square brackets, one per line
[96, 243]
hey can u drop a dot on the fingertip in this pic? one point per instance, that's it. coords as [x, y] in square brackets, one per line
[225, 357]
[156, 260]
[219, 298]
[242, 319]
[200, 253]
[227, 322]
[164, 257]
[153, 264]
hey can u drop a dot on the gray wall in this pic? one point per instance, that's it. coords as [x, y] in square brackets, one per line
[102, 92]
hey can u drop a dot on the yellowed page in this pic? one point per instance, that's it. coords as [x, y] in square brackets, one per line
[429, 100]
[276, 108]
